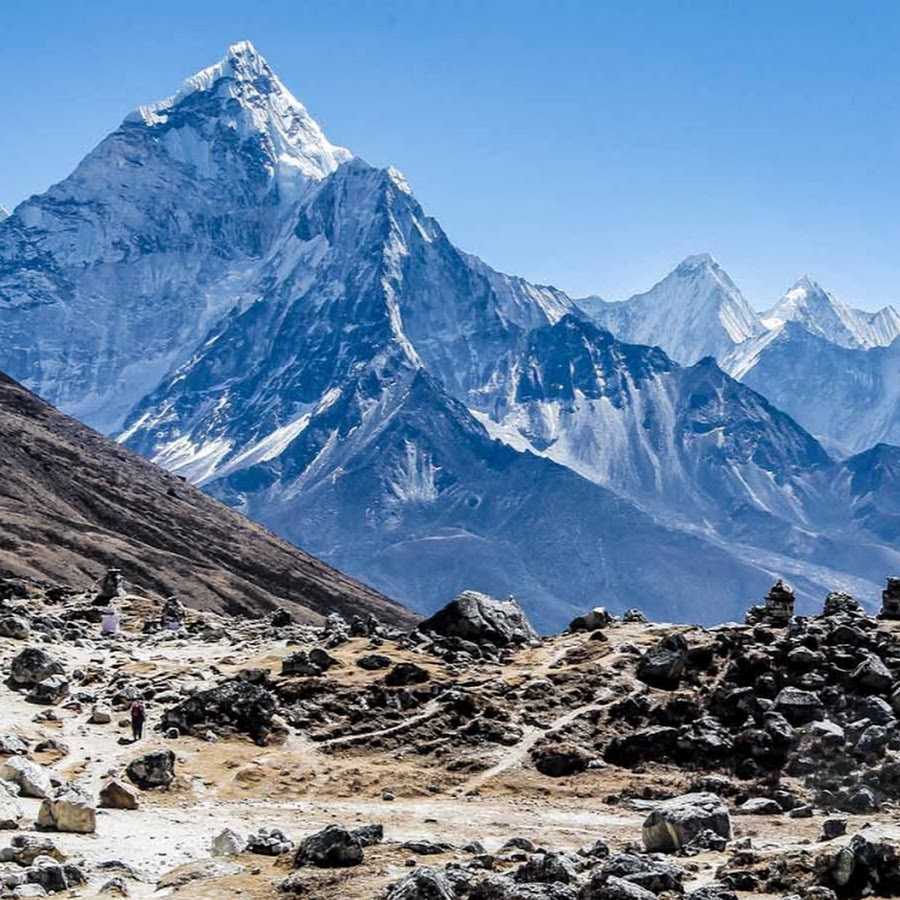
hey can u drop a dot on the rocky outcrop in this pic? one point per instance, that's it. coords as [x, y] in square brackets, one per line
[10, 812]
[116, 795]
[16, 627]
[31, 779]
[236, 706]
[423, 884]
[662, 665]
[32, 666]
[228, 843]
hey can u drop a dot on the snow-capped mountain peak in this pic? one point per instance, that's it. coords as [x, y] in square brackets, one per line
[4, 212]
[824, 314]
[697, 261]
[243, 93]
[695, 311]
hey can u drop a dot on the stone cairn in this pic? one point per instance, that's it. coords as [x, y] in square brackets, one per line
[173, 614]
[111, 588]
[890, 600]
[777, 609]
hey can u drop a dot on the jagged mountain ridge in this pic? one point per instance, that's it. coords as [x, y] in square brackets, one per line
[73, 503]
[341, 372]
[695, 311]
[823, 314]
[690, 444]
[297, 424]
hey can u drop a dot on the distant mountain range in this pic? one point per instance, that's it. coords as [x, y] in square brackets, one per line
[833, 368]
[256, 309]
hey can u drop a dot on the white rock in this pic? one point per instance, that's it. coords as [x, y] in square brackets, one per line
[228, 843]
[33, 780]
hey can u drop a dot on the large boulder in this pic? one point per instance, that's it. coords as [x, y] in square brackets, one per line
[33, 665]
[678, 821]
[502, 887]
[24, 849]
[68, 810]
[482, 619]
[872, 675]
[626, 876]
[12, 744]
[610, 887]
[228, 842]
[269, 842]
[32, 780]
[152, 770]
[237, 705]
[53, 877]
[546, 868]
[333, 847]
[405, 674]
[49, 691]
[559, 760]
[799, 707]
[662, 666]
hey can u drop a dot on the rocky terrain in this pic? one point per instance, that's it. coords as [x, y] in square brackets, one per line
[73, 503]
[466, 759]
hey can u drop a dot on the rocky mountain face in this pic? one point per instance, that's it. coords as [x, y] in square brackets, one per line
[689, 444]
[73, 503]
[849, 397]
[318, 355]
[872, 481]
[114, 276]
[462, 759]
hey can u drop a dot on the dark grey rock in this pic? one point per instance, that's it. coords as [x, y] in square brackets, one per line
[480, 618]
[333, 847]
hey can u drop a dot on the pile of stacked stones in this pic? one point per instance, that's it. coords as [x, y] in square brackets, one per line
[816, 697]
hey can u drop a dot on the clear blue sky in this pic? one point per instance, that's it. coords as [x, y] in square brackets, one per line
[589, 145]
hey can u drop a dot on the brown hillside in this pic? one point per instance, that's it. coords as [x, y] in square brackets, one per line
[73, 503]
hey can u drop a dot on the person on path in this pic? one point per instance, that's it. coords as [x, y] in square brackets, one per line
[138, 714]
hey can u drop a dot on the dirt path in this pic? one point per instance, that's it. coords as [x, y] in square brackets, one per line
[432, 708]
[516, 755]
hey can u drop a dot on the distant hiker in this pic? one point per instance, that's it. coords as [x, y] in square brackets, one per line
[138, 714]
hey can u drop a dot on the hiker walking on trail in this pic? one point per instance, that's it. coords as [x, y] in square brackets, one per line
[138, 715]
